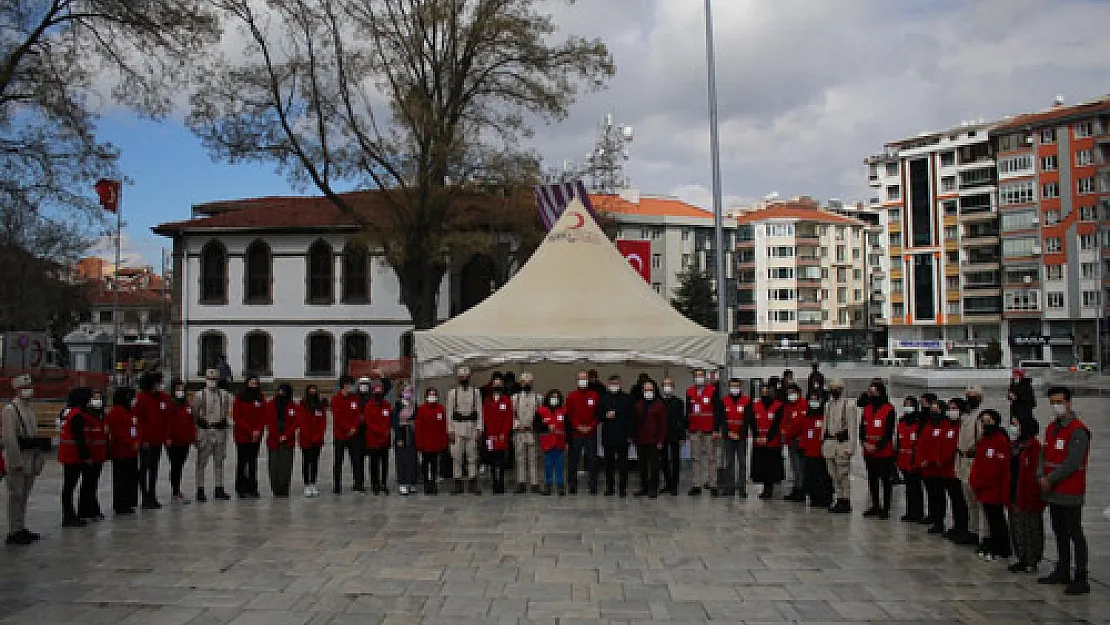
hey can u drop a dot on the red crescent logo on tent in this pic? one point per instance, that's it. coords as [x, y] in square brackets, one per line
[581, 220]
[635, 260]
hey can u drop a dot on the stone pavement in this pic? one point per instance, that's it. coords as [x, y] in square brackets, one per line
[364, 560]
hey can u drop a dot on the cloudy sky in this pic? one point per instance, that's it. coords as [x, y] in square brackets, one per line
[807, 90]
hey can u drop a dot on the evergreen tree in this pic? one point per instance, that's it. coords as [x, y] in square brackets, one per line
[696, 299]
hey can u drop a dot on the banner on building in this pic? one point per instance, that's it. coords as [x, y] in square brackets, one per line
[638, 254]
[394, 369]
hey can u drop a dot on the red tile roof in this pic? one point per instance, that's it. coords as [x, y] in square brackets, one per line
[1058, 113]
[648, 206]
[800, 210]
[143, 298]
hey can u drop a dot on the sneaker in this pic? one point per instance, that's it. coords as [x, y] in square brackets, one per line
[403, 490]
[33, 536]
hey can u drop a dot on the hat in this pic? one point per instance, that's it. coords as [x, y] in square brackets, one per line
[1017, 373]
[462, 371]
[22, 381]
[526, 376]
[212, 374]
[836, 383]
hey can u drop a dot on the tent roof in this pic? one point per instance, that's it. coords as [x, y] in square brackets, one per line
[576, 299]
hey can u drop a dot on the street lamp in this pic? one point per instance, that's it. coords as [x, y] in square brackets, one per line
[715, 154]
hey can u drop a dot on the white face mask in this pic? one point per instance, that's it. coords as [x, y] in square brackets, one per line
[27, 393]
[433, 399]
[735, 392]
[160, 387]
[814, 403]
[1013, 430]
[792, 397]
[908, 410]
[210, 383]
[699, 381]
[179, 394]
[1060, 410]
[613, 388]
[953, 413]
[649, 395]
[553, 402]
[364, 388]
[668, 390]
[583, 383]
[96, 404]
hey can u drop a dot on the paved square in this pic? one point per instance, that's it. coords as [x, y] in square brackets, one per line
[364, 560]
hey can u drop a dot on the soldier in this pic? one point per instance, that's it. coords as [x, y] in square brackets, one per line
[24, 450]
[701, 412]
[464, 405]
[526, 460]
[840, 423]
[971, 431]
[212, 409]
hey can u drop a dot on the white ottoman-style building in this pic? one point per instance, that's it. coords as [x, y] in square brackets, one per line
[282, 287]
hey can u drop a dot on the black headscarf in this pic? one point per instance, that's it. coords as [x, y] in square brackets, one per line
[281, 403]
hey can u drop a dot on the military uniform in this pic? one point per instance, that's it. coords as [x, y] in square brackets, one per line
[525, 452]
[838, 447]
[25, 459]
[464, 407]
[971, 432]
[211, 408]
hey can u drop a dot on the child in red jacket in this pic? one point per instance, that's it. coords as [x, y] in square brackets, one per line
[1026, 505]
[990, 481]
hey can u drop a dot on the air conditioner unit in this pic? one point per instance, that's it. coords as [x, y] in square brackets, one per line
[1036, 250]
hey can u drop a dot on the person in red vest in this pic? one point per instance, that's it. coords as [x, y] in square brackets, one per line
[878, 422]
[152, 407]
[431, 437]
[766, 427]
[1027, 506]
[810, 436]
[123, 451]
[582, 405]
[551, 425]
[249, 414]
[96, 436]
[312, 424]
[793, 423]
[282, 421]
[990, 482]
[346, 417]
[734, 427]
[181, 433]
[497, 428]
[76, 453]
[651, 433]
[701, 413]
[378, 414]
[906, 436]
[1063, 481]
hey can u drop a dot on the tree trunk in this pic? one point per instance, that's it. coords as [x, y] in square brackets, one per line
[420, 279]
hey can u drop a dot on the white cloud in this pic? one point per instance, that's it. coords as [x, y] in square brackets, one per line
[133, 253]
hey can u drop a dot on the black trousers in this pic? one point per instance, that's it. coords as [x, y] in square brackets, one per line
[429, 470]
[818, 483]
[955, 491]
[915, 497]
[149, 457]
[938, 504]
[497, 461]
[71, 475]
[88, 502]
[353, 449]
[616, 467]
[999, 541]
[125, 484]
[579, 447]
[310, 464]
[1067, 525]
[246, 468]
[670, 462]
[880, 472]
[177, 454]
[648, 457]
[379, 467]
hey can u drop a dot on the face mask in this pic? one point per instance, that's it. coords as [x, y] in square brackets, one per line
[835, 394]
[553, 402]
[909, 410]
[464, 382]
[649, 395]
[668, 390]
[210, 383]
[433, 399]
[735, 392]
[613, 388]
[1060, 410]
[362, 388]
[350, 389]
[814, 403]
[96, 404]
[583, 383]
[378, 392]
[179, 394]
[699, 381]
[407, 395]
[953, 413]
[1013, 430]
[792, 397]
[26, 393]
[527, 388]
[973, 402]
[253, 387]
[497, 390]
[159, 387]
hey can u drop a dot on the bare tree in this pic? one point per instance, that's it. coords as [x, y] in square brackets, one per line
[425, 101]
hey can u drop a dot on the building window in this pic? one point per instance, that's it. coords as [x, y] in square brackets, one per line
[211, 348]
[1050, 162]
[1015, 164]
[656, 261]
[1053, 272]
[896, 286]
[321, 266]
[857, 295]
[842, 295]
[954, 309]
[1018, 247]
[356, 274]
[687, 261]
[951, 207]
[1048, 135]
[655, 233]
[1085, 185]
[841, 254]
[257, 274]
[952, 283]
[1024, 299]
[1092, 299]
[857, 274]
[356, 346]
[841, 274]
[213, 273]
[895, 239]
[685, 234]
[951, 233]
[1052, 245]
[1088, 242]
[321, 347]
[780, 295]
[780, 273]
[658, 287]
[1088, 213]
[947, 184]
[856, 254]
[779, 230]
[892, 169]
[780, 315]
[1082, 130]
[256, 354]
[893, 192]
[105, 316]
[947, 159]
[894, 215]
[1016, 192]
[1018, 220]
[780, 251]
[896, 263]
[824, 273]
[1051, 218]
[1050, 190]
[1082, 158]
[1089, 271]
[1054, 299]
[898, 310]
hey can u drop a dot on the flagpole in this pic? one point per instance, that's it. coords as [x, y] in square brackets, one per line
[115, 304]
[715, 152]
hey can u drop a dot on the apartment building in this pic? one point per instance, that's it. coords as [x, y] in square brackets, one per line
[938, 190]
[1054, 201]
[803, 284]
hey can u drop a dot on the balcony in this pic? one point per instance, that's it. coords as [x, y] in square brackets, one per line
[809, 260]
[809, 304]
[981, 261]
[951, 270]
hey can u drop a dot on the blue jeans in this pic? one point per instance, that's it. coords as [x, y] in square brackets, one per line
[553, 466]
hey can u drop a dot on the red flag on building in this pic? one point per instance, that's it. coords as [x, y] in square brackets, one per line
[638, 254]
[108, 190]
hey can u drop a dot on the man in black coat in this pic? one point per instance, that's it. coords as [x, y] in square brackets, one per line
[618, 425]
[677, 424]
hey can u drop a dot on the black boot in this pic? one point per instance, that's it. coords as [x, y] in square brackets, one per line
[521, 488]
[201, 497]
[1079, 585]
[221, 494]
[458, 490]
[768, 492]
[536, 490]
[474, 486]
[843, 506]
[1055, 577]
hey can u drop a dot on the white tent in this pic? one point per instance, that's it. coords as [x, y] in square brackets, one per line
[576, 299]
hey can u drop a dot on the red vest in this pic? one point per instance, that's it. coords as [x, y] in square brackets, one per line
[555, 420]
[96, 439]
[123, 433]
[1056, 441]
[379, 422]
[811, 435]
[936, 448]
[907, 442]
[311, 425]
[497, 422]
[764, 418]
[431, 428]
[736, 412]
[990, 470]
[875, 423]
[699, 407]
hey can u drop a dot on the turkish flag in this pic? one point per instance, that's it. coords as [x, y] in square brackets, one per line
[108, 190]
[638, 253]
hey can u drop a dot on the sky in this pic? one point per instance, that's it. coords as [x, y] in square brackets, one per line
[806, 90]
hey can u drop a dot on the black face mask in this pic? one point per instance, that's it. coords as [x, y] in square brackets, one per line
[973, 403]
[835, 394]
[527, 388]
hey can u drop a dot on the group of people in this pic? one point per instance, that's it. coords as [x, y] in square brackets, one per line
[955, 458]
